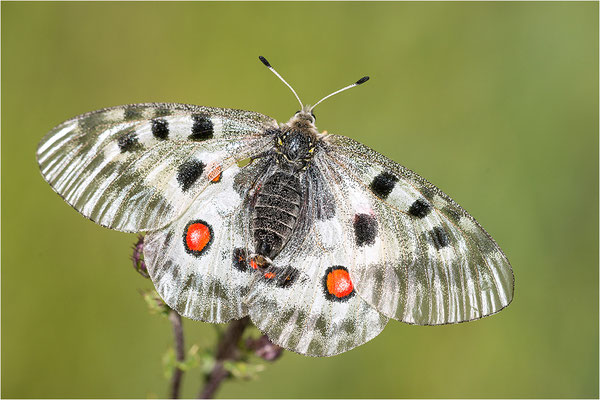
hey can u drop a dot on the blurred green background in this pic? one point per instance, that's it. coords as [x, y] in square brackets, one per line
[496, 103]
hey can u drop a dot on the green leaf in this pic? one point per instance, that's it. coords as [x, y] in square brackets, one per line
[192, 360]
[155, 304]
[207, 361]
[242, 369]
[169, 363]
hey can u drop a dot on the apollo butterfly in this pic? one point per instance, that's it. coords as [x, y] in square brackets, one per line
[317, 238]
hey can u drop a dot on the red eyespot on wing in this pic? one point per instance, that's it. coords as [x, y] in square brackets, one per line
[270, 275]
[214, 172]
[197, 237]
[338, 285]
[253, 264]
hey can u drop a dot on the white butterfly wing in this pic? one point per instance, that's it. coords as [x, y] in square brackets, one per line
[414, 254]
[303, 315]
[137, 167]
[198, 263]
[376, 242]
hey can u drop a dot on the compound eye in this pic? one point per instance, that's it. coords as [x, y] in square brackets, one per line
[313, 116]
[297, 111]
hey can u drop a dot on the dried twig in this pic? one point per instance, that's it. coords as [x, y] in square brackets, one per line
[264, 348]
[227, 349]
[177, 377]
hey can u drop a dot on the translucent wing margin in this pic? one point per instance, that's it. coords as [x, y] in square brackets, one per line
[137, 167]
[417, 256]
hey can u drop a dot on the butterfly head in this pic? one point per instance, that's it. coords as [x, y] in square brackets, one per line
[304, 120]
[295, 143]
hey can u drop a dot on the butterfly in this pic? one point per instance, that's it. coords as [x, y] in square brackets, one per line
[317, 238]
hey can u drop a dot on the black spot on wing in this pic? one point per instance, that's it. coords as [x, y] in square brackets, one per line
[420, 208]
[128, 142]
[287, 277]
[240, 259]
[383, 184]
[160, 128]
[281, 277]
[188, 173]
[439, 237]
[202, 127]
[365, 229]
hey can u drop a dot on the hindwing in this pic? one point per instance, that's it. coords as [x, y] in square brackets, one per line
[316, 311]
[200, 263]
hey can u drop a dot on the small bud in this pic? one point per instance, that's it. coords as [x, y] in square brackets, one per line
[264, 348]
[138, 257]
[155, 304]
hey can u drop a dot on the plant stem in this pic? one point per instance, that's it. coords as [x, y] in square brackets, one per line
[227, 349]
[179, 352]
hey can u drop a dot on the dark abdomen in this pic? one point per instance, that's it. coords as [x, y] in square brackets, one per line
[275, 214]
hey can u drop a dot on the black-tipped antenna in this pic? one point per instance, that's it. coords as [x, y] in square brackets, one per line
[358, 82]
[268, 65]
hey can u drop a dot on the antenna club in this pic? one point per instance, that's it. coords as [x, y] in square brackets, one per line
[264, 61]
[362, 80]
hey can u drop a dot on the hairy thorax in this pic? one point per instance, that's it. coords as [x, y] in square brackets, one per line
[280, 199]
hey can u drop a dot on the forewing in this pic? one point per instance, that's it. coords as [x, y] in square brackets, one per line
[301, 314]
[417, 256]
[206, 279]
[137, 167]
